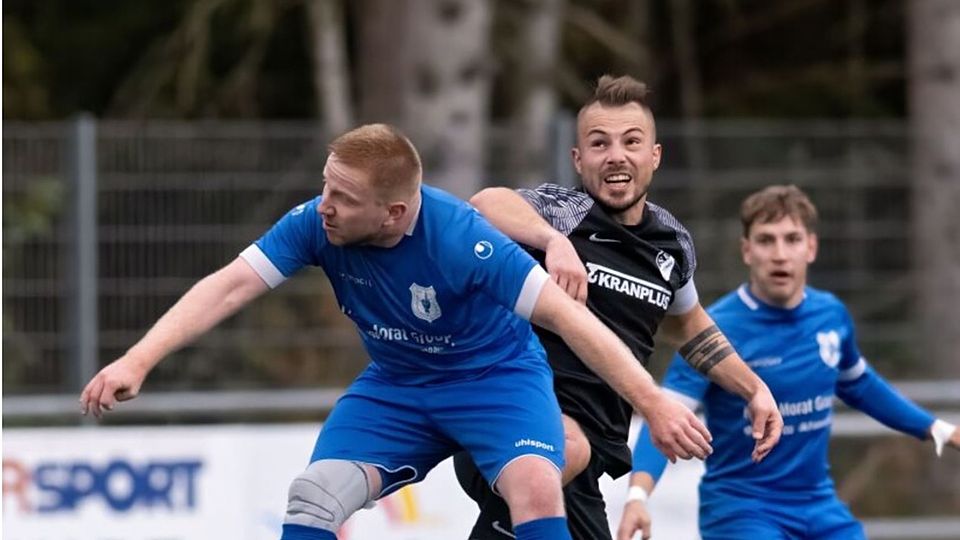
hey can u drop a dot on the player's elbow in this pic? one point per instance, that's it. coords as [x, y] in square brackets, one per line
[484, 198]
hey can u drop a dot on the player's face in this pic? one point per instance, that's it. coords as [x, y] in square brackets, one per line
[351, 211]
[778, 254]
[615, 156]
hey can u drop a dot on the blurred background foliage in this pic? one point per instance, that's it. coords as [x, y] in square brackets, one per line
[252, 58]
[456, 74]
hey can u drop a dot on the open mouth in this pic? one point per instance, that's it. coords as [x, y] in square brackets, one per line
[780, 274]
[617, 178]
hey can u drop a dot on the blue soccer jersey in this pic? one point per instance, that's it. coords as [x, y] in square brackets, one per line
[441, 304]
[806, 355]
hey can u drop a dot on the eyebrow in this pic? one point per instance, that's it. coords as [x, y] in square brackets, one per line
[599, 131]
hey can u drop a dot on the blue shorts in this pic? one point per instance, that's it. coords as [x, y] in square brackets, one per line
[725, 516]
[504, 412]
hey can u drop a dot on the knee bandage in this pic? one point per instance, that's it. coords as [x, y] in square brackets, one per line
[326, 494]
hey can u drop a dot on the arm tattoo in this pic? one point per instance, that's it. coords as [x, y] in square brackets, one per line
[706, 350]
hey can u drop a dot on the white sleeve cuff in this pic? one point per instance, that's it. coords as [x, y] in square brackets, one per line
[530, 292]
[262, 266]
[684, 300]
[853, 372]
[941, 433]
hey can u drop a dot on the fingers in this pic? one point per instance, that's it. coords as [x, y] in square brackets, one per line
[770, 436]
[632, 521]
[635, 519]
[90, 398]
[697, 437]
[574, 285]
[102, 394]
[686, 444]
[696, 444]
[582, 292]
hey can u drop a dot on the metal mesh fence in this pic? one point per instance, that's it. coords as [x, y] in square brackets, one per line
[175, 201]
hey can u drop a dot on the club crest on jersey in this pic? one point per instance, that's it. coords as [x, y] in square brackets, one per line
[829, 347]
[665, 263]
[423, 302]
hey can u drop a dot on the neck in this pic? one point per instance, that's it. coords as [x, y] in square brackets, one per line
[394, 233]
[788, 303]
[630, 216]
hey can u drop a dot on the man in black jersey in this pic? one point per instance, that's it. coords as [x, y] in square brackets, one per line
[637, 262]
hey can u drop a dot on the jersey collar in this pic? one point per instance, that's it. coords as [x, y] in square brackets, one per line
[416, 216]
[755, 304]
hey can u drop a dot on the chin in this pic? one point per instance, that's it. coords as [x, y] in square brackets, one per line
[335, 240]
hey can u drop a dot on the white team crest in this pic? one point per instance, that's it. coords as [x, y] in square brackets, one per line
[423, 301]
[665, 263]
[829, 347]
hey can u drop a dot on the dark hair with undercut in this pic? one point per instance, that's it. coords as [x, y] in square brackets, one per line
[386, 153]
[618, 91]
[776, 202]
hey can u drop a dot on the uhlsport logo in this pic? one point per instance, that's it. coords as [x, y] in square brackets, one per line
[483, 250]
[423, 301]
[665, 263]
[829, 347]
[534, 444]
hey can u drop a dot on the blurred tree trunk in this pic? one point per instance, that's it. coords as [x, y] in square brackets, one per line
[424, 66]
[531, 66]
[639, 27]
[683, 17]
[331, 76]
[934, 42]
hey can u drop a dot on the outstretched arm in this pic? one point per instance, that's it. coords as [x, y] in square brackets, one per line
[674, 428]
[707, 350]
[864, 389]
[211, 300]
[687, 387]
[635, 516]
[514, 216]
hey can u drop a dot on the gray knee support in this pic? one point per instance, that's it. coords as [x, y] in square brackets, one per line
[326, 494]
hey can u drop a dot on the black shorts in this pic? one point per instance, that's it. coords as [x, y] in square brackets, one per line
[586, 511]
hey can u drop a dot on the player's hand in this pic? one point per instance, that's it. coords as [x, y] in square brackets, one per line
[944, 434]
[119, 381]
[955, 439]
[766, 423]
[675, 430]
[635, 518]
[566, 268]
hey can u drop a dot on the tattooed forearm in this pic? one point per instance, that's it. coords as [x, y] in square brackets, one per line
[706, 350]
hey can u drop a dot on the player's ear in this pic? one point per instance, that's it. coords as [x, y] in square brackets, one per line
[396, 211]
[812, 245]
[745, 250]
[575, 154]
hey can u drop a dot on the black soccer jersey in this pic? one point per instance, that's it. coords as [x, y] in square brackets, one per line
[636, 274]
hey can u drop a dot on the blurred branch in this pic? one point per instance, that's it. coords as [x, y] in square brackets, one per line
[610, 37]
[331, 71]
[177, 58]
[743, 27]
[239, 87]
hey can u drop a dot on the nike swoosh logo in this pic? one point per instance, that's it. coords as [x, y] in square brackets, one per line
[595, 238]
[496, 526]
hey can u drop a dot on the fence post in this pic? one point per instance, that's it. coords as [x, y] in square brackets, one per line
[564, 136]
[84, 322]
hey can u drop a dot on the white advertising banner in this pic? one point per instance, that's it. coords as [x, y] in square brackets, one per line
[203, 482]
